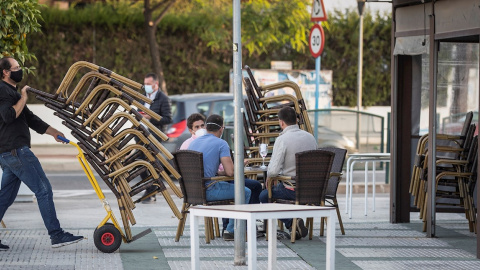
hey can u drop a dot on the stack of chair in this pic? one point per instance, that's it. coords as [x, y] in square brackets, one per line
[102, 111]
[455, 173]
[261, 115]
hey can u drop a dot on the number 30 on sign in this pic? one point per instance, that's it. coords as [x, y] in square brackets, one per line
[316, 40]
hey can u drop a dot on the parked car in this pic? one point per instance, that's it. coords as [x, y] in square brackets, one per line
[222, 104]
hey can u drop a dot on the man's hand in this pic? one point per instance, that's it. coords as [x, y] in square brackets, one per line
[146, 116]
[55, 133]
[24, 92]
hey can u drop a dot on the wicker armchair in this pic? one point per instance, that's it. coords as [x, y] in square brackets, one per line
[333, 182]
[312, 175]
[192, 183]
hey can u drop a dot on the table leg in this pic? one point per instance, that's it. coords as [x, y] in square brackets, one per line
[373, 187]
[272, 244]
[194, 241]
[366, 187]
[331, 224]
[349, 201]
[252, 243]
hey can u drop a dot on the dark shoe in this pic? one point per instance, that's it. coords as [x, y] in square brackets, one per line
[64, 239]
[228, 236]
[301, 229]
[3, 247]
[281, 235]
[149, 200]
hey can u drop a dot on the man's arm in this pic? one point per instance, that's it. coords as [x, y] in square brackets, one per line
[18, 107]
[278, 158]
[55, 133]
[227, 164]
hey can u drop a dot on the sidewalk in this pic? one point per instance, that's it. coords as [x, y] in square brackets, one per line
[371, 242]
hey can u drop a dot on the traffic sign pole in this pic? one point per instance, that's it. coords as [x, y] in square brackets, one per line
[317, 86]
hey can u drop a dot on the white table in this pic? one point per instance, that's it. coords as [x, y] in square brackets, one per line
[252, 212]
[364, 157]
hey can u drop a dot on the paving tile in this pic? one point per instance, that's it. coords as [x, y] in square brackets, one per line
[417, 264]
[388, 242]
[404, 253]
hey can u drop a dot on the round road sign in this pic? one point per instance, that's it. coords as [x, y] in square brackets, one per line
[316, 40]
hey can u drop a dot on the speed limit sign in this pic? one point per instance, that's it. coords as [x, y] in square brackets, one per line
[316, 40]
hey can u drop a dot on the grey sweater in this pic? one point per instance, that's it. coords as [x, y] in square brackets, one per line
[291, 141]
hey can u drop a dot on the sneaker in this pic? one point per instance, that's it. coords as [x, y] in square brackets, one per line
[281, 235]
[260, 234]
[3, 247]
[149, 200]
[301, 229]
[65, 239]
[228, 236]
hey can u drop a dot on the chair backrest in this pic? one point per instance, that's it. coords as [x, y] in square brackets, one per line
[337, 167]
[312, 173]
[190, 167]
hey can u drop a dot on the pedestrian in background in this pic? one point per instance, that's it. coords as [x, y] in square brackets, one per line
[161, 105]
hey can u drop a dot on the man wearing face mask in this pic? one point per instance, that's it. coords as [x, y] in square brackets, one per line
[195, 123]
[217, 152]
[160, 105]
[18, 163]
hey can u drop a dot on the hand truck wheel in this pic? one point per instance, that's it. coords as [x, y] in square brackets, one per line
[107, 238]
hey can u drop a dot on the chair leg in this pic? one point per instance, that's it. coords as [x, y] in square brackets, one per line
[294, 230]
[217, 228]
[181, 223]
[207, 230]
[3, 224]
[210, 225]
[338, 216]
[322, 225]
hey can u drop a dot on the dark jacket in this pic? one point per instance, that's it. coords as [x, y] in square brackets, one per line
[161, 105]
[14, 131]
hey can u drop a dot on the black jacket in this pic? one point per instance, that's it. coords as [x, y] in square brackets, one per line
[161, 105]
[14, 132]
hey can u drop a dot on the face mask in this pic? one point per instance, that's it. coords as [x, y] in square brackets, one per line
[16, 76]
[148, 89]
[200, 132]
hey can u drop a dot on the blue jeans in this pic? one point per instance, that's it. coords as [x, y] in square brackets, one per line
[256, 188]
[225, 191]
[25, 167]
[279, 192]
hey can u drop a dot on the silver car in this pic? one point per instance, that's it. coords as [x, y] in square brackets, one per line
[222, 104]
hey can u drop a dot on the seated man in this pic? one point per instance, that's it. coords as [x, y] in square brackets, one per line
[291, 141]
[196, 121]
[216, 151]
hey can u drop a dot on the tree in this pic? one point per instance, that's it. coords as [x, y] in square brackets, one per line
[19, 18]
[151, 25]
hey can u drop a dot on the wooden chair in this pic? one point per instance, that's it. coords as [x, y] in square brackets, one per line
[312, 174]
[192, 183]
[333, 182]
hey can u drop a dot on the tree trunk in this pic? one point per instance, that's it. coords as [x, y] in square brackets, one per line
[154, 53]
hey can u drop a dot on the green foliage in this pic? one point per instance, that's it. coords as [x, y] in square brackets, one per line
[19, 19]
[195, 46]
[341, 56]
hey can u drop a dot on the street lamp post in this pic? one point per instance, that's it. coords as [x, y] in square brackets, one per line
[361, 6]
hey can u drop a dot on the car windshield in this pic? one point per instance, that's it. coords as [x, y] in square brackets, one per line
[178, 113]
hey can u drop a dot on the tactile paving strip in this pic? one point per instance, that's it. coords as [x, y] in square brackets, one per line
[225, 253]
[31, 249]
[388, 242]
[404, 253]
[383, 233]
[281, 265]
[424, 265]
[383, 226]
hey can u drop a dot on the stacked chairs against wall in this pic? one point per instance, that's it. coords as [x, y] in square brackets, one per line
[103, 114]
[454, 172]
[261, 115]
